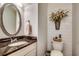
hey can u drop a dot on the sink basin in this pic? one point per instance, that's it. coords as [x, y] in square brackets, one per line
[18, 43]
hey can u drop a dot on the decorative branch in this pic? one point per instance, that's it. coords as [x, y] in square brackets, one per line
[58, 15]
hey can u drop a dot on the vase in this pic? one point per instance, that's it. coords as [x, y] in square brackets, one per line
[57, 25]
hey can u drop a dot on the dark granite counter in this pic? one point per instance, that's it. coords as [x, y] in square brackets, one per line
[6, 50]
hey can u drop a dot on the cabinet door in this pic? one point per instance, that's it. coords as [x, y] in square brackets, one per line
[31, 53]
[24, 51]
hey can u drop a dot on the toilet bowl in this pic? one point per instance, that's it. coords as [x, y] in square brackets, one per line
[57, 49]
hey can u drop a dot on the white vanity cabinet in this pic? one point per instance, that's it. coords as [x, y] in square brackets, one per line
[31, 53]
[27, 51]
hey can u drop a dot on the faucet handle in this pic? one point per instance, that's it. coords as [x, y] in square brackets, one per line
[13, 40]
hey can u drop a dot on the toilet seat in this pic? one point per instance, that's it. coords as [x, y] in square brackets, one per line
[56, 53]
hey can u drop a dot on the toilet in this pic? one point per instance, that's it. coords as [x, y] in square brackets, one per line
[57, 49]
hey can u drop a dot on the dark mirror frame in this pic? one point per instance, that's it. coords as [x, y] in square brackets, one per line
[1, 19]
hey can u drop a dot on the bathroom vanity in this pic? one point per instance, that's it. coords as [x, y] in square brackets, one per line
[27, 49]
[11, 24]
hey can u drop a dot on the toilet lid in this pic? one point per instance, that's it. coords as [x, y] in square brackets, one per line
[56, 53]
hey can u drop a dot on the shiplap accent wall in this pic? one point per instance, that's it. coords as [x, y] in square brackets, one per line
[65, 30]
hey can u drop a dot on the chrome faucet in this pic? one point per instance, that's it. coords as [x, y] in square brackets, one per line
[13, 39]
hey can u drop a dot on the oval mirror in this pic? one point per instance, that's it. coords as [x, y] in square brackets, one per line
[10, 19]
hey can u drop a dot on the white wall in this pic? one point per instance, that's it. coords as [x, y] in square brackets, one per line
[66, 27]
[75, 29]
[31, 13]
[42, 29]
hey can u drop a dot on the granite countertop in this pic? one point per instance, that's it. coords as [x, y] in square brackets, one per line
[6, 50]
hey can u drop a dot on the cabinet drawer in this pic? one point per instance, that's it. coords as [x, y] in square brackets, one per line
[31, 53]
[24, 51]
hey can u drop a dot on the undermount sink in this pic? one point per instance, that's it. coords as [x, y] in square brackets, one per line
[18, 43]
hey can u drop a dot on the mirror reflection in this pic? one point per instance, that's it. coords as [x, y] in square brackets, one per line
[11, 19]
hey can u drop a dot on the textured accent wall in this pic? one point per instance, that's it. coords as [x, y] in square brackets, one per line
[65, 29]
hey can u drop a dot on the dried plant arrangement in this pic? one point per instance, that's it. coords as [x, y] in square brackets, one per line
[57, 17]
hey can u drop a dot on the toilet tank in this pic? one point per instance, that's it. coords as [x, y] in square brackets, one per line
[58, 45]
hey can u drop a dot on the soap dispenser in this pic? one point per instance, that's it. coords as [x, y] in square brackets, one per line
[60, 38]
